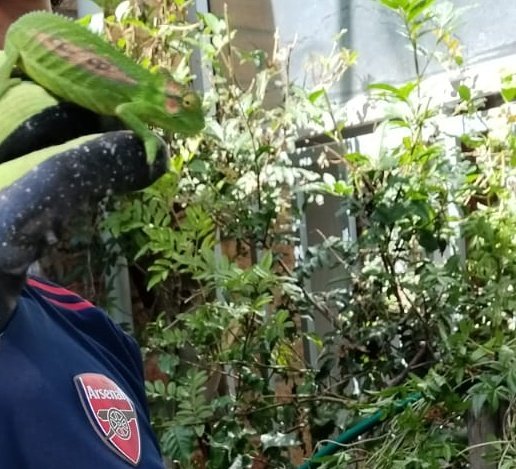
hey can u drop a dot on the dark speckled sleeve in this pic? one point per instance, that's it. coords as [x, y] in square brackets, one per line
[35, 205]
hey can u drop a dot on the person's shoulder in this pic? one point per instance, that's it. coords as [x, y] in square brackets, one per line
[58, 296]
[65, 306]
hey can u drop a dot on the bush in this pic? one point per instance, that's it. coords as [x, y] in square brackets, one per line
[427, 303]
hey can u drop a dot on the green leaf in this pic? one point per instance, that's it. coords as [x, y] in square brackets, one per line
[213, 22]
[149, 387]
[478, 354]
[356, 158]
[267, 149]
[509, 94]
[159, 386]
[395, 4]
[315, 95]
[342, 188]
[383, 87]
[464, 93]
[417, 8]
[396, 121]
[258, 57]
[167, 363]
[509, 87]
[315, 339]
[511, 380]
[171, 389]
[473, 141]
[402, 93]
[178, 443]
[199, 430]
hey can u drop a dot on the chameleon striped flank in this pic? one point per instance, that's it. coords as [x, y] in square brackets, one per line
[81, 57]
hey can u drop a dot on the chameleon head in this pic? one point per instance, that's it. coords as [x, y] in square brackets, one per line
[183, 110]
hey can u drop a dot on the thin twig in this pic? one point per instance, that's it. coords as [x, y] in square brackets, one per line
[318, 306]
[415, 361]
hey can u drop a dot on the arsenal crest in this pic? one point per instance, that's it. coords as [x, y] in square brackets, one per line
[111, 413]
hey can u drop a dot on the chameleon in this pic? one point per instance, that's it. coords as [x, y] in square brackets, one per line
[78, 66]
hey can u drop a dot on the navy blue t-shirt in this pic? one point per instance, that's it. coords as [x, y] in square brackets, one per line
[72, 388]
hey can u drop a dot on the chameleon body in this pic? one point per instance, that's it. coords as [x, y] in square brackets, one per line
[78, 66]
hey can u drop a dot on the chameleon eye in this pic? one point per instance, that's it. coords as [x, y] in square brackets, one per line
[189, 101]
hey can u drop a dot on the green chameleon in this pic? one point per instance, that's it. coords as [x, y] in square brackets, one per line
[78, 66]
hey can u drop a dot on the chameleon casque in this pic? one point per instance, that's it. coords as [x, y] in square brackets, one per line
[78, 66]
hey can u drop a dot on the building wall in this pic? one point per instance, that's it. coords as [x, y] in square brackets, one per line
[486, 29]
[254, 22]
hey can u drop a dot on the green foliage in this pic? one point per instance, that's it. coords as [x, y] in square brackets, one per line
[177, 442]
[424, 296]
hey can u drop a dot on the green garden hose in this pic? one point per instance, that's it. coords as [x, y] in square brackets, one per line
[356, 430]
